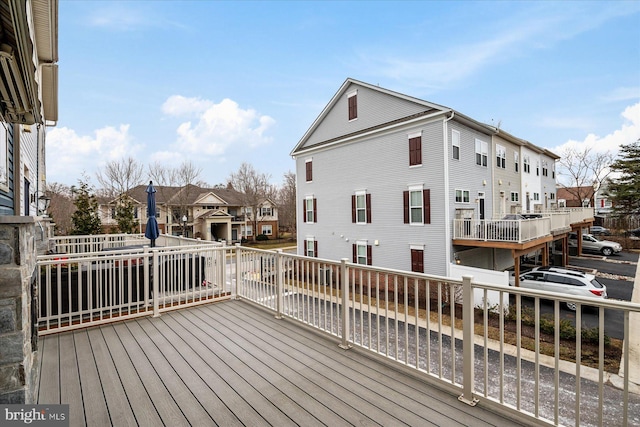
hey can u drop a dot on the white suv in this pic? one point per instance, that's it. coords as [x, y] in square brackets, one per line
[564, 281]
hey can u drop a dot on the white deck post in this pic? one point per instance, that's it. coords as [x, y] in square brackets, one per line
[235, 288]
[146, 276]
[344, 286]
[468, 357]
[156, 283]
[280, 283]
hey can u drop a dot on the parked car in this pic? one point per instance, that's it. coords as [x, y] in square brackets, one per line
[564, 281]
[599, 230]
[633, 233]
[591, 244]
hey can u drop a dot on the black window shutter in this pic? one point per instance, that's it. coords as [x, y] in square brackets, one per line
[426, 201]
[315, 248]
[405, 195]
[309, 169]
[315, 210]
[304, 210]
[354, 250]
[369, 256]
[353, 208]
[368, 199]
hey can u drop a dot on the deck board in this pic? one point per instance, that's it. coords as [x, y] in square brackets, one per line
[232, 363]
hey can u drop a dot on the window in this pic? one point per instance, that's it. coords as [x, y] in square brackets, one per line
[552, 196]
[362, 253]
[308, 165]
[553, 172]
[246, 230]
[417, 260]
[501, 157]
[455, 144]
[537, 167]
[311, 248]
[516, 161]
[267, 211]
[417, 206]
[545, 168]
[353, 105]
[309, 207]
[462, 196]
[113, 213]
[536, 196]
[526, 164]
[482, 149]
[415, 149]
[267, 230]
[361, 208]
[514, 196]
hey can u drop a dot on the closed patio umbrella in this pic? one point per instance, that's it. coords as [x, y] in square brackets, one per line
[151, 232]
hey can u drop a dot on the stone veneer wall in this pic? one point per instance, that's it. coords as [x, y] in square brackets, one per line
[21, 238]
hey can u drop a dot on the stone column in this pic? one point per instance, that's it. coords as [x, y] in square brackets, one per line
[19, 239]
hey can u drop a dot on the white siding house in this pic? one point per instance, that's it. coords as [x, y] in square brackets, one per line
[381, 175]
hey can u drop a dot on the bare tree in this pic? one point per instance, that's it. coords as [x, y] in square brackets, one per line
[61, 207]
[254, 188]
[287, 202]
[184, 178]
[584, 170]
[120, 176]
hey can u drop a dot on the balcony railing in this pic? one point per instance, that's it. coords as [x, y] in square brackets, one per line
[517, 231]
[425, 323]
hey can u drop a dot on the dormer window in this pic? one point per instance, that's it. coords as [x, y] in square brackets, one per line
[353, 105]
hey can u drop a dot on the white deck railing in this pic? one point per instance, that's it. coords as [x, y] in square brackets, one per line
[425, 323]
[502, 229]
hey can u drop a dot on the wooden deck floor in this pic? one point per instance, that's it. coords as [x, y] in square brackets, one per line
[231, 364]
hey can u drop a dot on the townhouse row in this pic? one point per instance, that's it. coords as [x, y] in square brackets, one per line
[390, 180]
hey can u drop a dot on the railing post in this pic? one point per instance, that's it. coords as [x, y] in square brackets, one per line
[235, 288]
[344, 286]
[468, 357]
[280, 283]
[146, 265]
[156, 283]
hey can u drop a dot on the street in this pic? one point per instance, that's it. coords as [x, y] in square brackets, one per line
[622, 264]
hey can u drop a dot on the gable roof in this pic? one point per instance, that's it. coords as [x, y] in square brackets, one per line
[422, 109]
[190, 195]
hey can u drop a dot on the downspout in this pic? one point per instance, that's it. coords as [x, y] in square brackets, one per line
[447, 214]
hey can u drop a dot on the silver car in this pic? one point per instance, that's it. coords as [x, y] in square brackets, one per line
[564, 281]
[590, 243]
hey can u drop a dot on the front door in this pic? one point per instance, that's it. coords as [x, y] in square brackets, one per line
[481, 205]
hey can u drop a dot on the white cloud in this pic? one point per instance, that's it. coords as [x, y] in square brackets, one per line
[623, 94]
[629, 132]
[217, 127]
[539, 27]
[70, 154]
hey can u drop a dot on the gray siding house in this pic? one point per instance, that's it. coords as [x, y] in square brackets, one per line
[380, 175]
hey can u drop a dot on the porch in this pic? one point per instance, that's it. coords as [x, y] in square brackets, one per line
[232, 363]
[209, 334]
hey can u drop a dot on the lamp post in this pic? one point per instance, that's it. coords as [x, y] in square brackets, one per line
[184, 225]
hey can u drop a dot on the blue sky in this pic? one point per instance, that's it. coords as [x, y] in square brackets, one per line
[221, 83]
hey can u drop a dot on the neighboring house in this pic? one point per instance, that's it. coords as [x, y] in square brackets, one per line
[569, 197]
[211, 213]
[602, 202]
[28, 104]
[381, 177]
